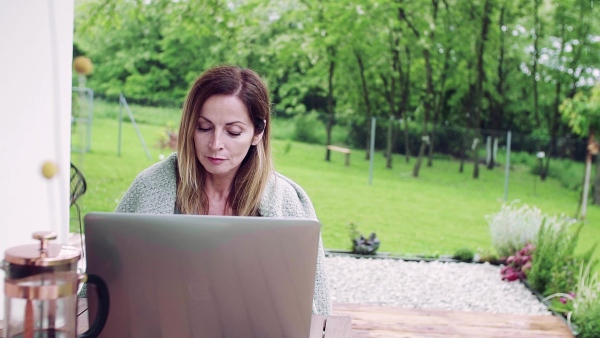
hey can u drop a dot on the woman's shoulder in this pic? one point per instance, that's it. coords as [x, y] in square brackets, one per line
[163, 170]
[285, 198]
[153, 190]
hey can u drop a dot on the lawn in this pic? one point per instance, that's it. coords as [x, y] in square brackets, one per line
[437, 213]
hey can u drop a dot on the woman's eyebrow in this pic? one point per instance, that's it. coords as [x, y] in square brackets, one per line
[227, 124]
[234, 122]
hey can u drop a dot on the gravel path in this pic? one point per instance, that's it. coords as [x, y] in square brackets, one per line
[435, 285]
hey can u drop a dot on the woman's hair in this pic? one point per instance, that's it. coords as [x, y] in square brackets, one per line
[251, 178]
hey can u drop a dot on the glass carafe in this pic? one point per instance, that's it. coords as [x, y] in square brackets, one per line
[41, 290]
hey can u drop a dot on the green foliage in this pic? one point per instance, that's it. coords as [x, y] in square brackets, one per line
[288, 146]
[586, 304]
[588, 323]
[523, 158]
[555, 263]
[569, 173]
[361, 244]
[582, 306]
[307, 128]
[582, 112]
[167, 138]
[514, 226]
[153, 50]
[464, 255]
[487, 255]
[158, 116]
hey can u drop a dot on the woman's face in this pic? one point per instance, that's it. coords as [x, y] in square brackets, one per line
[224, 134]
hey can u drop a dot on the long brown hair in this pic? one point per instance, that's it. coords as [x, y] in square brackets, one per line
[251, 178]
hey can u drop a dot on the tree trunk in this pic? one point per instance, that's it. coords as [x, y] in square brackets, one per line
[475, 150]
[427, 108]
[497, 106]
[330, 102]
[365, 92]
[406, 142]
[588, 168]
[390, 99]
[597, 181]
[388, 150]
[394, 42]
[419, 158]
[487, 10]
[405, 84]
[431, 143]
[536, 53]
[461, 167]
[440, 103]
[429, 94]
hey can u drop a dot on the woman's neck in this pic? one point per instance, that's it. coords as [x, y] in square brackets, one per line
[217, 190]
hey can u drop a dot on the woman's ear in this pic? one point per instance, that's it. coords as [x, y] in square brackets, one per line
[256, 139]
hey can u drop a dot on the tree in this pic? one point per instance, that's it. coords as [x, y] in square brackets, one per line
[582, 114]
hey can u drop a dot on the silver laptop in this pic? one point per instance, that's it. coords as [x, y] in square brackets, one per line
[203, 276]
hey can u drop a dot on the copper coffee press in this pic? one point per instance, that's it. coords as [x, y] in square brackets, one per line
[40, 289]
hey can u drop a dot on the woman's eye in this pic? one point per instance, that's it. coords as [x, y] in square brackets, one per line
[235, 133]
[201, 128]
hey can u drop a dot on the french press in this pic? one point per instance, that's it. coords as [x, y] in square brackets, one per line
[40, 291]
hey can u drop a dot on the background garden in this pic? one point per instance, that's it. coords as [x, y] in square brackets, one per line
[444, 94]
[436, 214]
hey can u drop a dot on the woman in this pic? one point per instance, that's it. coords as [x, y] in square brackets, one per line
[223, 162]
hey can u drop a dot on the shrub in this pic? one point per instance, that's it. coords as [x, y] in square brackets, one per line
[582, 307]
[586, 303]
[518, 264]
[523, 158]
[464, 255]
[555, 265]
[513, 227]
[568, 172]
[588, 323]
[360, 244]
[306, 127]
[167, 138]
[486, 255]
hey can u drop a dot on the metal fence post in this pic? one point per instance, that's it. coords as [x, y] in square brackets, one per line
[120, 124]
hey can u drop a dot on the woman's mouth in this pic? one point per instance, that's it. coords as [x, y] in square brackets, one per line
[216, 160]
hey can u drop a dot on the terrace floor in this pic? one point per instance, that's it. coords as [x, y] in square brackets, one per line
[378, 321]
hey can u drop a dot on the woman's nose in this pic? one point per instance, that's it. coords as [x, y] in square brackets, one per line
[216, 141]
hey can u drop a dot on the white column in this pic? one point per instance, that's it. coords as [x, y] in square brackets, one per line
[36, 43]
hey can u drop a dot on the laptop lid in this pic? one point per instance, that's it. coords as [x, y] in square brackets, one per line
[203, 276]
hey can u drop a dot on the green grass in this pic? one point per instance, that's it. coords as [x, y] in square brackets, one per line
[437, 213]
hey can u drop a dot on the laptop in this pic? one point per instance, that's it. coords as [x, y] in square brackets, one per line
[203, 276]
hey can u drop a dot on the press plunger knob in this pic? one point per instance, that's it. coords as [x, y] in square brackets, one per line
[49, 169]
[44, 237]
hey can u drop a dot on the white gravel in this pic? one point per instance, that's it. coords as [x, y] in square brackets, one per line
[433, 285]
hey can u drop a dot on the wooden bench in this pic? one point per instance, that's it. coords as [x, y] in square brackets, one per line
[345, 151]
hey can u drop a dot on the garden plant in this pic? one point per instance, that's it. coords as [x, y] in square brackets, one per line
[550, 265]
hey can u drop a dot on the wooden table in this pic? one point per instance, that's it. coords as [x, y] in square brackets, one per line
[321, 326]
[382, 322]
